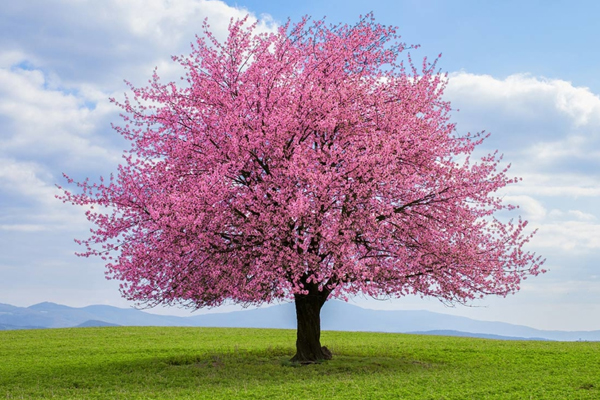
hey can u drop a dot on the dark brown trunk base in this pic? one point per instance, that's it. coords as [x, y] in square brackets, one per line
[324, 354]
[308, 315]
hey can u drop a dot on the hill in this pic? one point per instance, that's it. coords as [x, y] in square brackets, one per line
[94, 324]
[336, 315]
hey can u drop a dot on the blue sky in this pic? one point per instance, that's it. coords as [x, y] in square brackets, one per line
[526, 71]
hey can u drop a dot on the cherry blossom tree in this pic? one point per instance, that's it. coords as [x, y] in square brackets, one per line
[311, 163]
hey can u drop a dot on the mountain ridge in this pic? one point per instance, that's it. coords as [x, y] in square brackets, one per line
[335, 315]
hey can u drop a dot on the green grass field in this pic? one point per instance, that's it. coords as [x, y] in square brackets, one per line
[215, 363]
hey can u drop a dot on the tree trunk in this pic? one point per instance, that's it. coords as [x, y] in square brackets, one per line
[308, 342]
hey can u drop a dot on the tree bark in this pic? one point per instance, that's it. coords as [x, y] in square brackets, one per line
[308, 315]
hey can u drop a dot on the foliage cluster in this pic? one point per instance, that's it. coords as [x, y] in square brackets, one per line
[310, 161]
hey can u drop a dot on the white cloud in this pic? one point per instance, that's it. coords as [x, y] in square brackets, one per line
[39, 122]
[569, 230]
[539, 124]
[13, 57]
[54, 89]
[549, 131]
[30, 203]
[23, 178]
[172, 21]
[572, 147]
[577, 214]
[56, 102]
[85, 41]
[566, 185]
[573, 236]
[525, 96]
[24, 228]
[530, 208]
[582, 216]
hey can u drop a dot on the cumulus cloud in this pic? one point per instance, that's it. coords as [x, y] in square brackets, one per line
[85, 41]
[28, 200]
[60, 61]
[530, 207]
[25, 178]
[573, 235]
[40, 123]
[58, 67]
[549, 130]
[525, 97]
[8, 58]
[565, 185]
[579, 215]
[545, 127]
[582, 216]
[542, 123]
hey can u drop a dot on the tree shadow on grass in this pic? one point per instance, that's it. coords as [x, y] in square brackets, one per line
[220, 372]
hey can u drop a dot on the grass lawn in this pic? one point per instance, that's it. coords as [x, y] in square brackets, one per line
[216, 363]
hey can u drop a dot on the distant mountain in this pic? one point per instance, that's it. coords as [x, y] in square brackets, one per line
[467, 334]
[336, 315]
[4, 327]
[94, 323]
[51, 315]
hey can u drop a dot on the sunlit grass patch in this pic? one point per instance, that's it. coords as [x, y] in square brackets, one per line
[215, 363]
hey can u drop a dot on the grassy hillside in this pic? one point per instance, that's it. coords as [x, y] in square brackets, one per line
[214, 363]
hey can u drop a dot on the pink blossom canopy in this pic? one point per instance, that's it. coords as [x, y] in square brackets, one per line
[312, 154]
